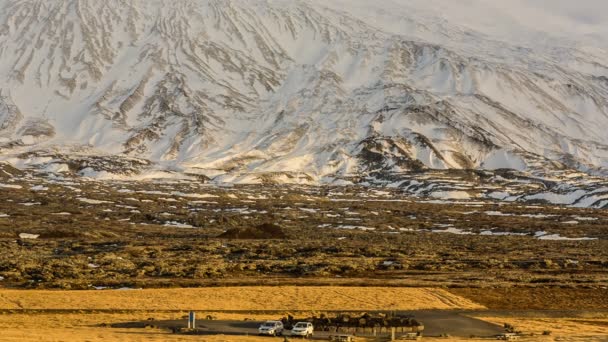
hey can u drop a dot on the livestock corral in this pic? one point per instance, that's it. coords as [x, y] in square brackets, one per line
[366, 322]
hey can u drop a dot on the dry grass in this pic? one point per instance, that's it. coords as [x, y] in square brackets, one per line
[66, 326]
[239, 298]
[537, 298]
[562, 329]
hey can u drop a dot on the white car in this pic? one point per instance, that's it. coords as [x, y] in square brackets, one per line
[272, 328]
[304, 329]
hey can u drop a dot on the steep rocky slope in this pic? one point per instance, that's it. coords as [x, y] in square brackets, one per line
[308, 91]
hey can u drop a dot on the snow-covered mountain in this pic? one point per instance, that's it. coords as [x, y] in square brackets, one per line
[315, 90]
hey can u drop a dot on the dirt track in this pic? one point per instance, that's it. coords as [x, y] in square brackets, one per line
[436, 323]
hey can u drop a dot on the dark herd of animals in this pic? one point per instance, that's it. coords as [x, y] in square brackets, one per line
[346, 322]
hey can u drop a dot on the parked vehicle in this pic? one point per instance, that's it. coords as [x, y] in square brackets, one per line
[272, 328]
[304, 329]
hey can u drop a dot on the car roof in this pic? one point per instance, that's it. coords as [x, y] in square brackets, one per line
[273, 322]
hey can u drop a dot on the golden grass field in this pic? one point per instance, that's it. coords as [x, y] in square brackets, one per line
[114, 306]
[239, 298]
[562, 329]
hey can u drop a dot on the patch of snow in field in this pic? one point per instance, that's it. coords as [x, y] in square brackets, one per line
[388, 200]
[554, 198]
[125, 206]
[259, 197]
[452, 230]
[240, 210]
[460, 195]
[28, 236]
[537, 215]
[57, 168]
[499, 195]
[10, 186]
[39, 188]
[570, 222]
[496, 213]
[168, 199]
[176, 224]
[354, 227]
[582, 218]
[202, 202]
[62, 214]
[91, 265]
[91, 201]
[542, 235]
[309, 210]
[493, 233]
[181, 194]
[153, 192]
[30, 204]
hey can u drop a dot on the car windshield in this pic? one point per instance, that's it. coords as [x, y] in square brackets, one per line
[300, 325]
[269, 324]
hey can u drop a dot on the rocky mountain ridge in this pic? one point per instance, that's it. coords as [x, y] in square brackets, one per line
[289, 91]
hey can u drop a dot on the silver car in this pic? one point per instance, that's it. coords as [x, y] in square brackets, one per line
[272, 328]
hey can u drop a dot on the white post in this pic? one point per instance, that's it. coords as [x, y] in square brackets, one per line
[392, 333]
